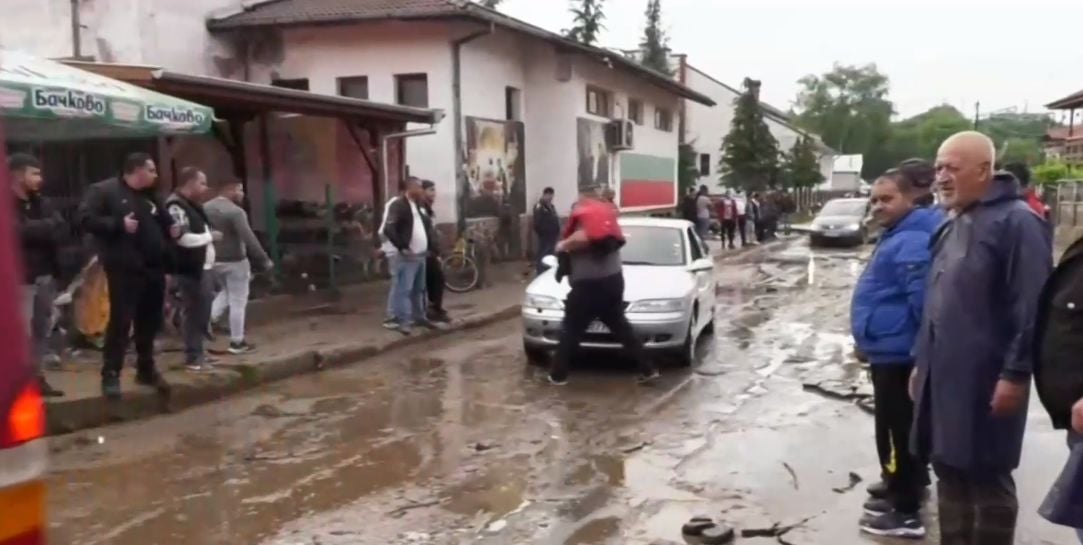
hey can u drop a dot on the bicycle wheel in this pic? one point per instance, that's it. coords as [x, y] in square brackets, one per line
[460, 273]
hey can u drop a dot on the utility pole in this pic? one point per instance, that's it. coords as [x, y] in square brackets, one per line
[977, 112]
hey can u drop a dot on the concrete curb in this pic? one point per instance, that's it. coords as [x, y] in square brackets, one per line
[81, 414]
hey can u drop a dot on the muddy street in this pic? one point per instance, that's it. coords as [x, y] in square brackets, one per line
[458, 440]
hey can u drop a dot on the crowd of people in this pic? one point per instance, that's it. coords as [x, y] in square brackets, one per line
[957, 309]
[751, 220]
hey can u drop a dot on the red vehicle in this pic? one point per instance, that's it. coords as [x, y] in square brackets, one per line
[22, 411]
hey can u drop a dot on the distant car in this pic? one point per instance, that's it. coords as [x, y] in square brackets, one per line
[842, 221]
[669, 293]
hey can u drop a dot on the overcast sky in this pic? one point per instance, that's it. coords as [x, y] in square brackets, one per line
[1023, 54]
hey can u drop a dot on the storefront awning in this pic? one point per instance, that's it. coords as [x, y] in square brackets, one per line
[239, 97]
[42, 99]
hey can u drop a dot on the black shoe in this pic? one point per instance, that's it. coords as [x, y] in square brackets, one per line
[647, 377]
[111, 387]
[242, 347]
[878, 489]
[391, 323]
[894, 524]
[155, 381]
[877, 507]
[439, 316]
[558, 378]
[47, 390]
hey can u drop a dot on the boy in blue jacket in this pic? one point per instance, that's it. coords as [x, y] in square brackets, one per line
[885, 315]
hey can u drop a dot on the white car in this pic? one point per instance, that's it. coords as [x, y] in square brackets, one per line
[669, 294]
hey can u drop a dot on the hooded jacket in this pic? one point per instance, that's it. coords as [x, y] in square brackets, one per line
[885, 312]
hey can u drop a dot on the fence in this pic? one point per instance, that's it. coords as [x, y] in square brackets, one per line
[1067, 206]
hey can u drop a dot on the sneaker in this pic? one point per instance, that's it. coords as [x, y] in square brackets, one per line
[404, 329]
[894, 524]
[391, 323]
[877, 507]
[47, 390]
[111, 387]
[439, 316]
[878, 489]
[648, 377]
[243, 347]
[155, 381]
[558, 378]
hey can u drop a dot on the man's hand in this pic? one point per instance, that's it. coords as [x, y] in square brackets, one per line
[913, 389]
[130, 223]
[1077, 416]
[216, 236]
[1008, 398]
[268, 265]
[175, 231]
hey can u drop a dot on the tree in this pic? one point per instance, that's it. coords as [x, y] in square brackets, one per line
[586, 22]
[749, 155]
[687, 169]
[491, 4]
[1055, 171]
[801, 166]
[655, 44]
[848, 107]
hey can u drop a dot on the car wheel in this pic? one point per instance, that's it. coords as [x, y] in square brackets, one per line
[686, 354]
[535, 356]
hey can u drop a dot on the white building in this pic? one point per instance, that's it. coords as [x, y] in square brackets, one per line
[846, 174]
[706, 127]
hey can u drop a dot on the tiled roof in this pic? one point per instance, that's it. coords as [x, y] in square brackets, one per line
[1072, 101]
[307, 12]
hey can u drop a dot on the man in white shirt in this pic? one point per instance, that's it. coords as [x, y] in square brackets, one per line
[407, 232]
[388, 251]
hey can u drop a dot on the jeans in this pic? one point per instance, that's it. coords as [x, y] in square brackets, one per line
[703, 227]
[37, 312]
[392, 266]
[234, 277]
[196, 295]
[136, 302]
[408, 289]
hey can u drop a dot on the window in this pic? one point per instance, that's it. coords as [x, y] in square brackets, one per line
[697, 250]
[705, 164]
[599, 102]
[513, 104]
[412, 90]
[663, 119]
[300, 84]
[635, 111]
[354, 87]
[660, 246]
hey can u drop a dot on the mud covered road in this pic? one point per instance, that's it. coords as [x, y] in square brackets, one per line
[459, 441]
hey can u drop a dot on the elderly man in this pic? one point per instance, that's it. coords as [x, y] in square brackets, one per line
[973, 350]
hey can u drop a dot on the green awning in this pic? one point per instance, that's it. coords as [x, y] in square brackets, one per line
[46, 100]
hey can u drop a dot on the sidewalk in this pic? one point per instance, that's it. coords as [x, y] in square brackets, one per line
[293, 335]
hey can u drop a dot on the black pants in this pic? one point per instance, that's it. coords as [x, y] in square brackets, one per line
[434, 283]
[135, 299]
[547, 245]
[742, 229]
[894, 416]
[729, 230]
[599, 299]
[976, 508]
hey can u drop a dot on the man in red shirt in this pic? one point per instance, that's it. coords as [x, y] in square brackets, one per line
[1022, 173]
[726, 208]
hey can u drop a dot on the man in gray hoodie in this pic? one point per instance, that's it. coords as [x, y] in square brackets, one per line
[232, 266]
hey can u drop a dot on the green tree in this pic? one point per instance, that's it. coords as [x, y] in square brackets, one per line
[587, 21]
[687, 169]
[491, 4]
[655, 44]
[801, 166]
[848, 107]
[1055, 171]
[749, 154]
[1020, 150]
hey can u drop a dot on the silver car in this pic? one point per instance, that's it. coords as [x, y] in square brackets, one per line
[843, 221]
[669, 293]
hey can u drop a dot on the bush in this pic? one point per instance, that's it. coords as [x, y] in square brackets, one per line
[1055, 171]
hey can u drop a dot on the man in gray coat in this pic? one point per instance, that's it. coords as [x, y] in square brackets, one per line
[973, 351]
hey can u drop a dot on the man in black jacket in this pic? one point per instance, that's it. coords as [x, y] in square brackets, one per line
[133, 232]
[546, 228]
[194, 260]
[1058, 371]
[405, 230]
[40, 230]
[434, 272]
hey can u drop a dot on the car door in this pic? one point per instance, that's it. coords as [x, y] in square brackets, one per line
[699, 252]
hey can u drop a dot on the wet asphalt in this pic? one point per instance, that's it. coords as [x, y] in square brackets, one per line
[460, 441]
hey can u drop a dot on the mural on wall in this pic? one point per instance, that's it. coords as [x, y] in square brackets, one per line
[647, 181]
[495, 169]
[593, 155]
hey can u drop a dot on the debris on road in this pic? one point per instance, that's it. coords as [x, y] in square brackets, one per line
[793, 475]
[400, 511]
[855, 479]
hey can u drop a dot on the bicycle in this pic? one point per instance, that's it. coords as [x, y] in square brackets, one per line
[461, 273]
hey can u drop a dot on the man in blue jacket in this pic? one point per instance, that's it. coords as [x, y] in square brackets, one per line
[974, 350]
[885, 315]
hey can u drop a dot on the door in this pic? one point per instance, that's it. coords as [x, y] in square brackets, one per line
[705, 282]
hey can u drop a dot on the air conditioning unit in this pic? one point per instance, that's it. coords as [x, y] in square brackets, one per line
[620, 135]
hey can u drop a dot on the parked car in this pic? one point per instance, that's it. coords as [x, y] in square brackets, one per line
[842, 221]
[669, 293]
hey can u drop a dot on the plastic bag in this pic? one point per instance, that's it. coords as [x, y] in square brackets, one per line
[1063, 504]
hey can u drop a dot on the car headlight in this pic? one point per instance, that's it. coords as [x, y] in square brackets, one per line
[542, 302]
[657, 305]
[853, 227]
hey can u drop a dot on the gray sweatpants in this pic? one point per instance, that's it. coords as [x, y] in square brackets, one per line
[37, 309]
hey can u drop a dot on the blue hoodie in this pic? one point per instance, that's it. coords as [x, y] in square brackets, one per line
[885, 312]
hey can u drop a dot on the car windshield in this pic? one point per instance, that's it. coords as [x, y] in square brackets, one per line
[653, 246]
[853, 208]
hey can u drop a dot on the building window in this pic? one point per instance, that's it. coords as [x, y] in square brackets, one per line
[354, 87]
[299, 84]
[635, 111]
[705, 164]
[663, 119]
[513, 104]
[599, 102]
[412, 90]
